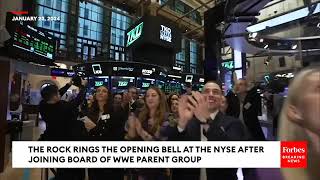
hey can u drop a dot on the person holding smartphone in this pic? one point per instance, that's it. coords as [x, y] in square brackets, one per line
[200, 119]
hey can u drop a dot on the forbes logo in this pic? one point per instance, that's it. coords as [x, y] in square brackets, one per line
[146, 72]
[294, 154]
[293, 150]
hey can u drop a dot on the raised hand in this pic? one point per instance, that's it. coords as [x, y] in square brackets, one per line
[185, 112]
[200, 104]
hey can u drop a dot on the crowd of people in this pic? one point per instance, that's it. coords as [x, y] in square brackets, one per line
[193, 116]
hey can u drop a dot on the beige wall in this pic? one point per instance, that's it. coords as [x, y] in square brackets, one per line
[36, 81]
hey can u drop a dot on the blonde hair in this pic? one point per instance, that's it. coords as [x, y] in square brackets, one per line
[290, 131]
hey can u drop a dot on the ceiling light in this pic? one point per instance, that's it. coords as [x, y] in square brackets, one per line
[261, 40]
[266, 46]
[294, 46]
[254, 35]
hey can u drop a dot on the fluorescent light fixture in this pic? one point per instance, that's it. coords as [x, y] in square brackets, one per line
[237, 59]
[295, 15]
[176, 68]
[173, 76]
[294, 46]
[124, 77]
[239, 73]
[102, 77]
[62, 66]
[149, 79]
[266, 46]
[254, 35]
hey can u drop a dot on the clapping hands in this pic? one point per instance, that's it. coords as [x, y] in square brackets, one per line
[192, 105]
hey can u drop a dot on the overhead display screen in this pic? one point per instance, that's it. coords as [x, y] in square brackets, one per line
[145, 83]
[156, 31]
[30, 43]
[120, 83]
[98, 81]
[134, 34]
[172, 87]
[34, 41]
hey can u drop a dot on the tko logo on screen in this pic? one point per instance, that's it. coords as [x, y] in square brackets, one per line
[165, 33]
[294, 154]
[134, 34]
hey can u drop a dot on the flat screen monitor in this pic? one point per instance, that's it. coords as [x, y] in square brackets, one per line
[121, 83]
[145, 83]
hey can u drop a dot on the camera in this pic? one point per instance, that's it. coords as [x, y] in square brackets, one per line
[77, 81]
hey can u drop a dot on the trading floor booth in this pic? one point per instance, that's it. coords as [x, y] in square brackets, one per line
[119, 76]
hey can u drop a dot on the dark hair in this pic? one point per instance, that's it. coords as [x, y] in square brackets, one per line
[169, 99]
[117, 94]
[133, 87]
[215, 82]
[94, 109]
[188, 85]
[49, 91]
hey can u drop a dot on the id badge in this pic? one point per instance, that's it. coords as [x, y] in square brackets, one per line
[247, 106]
[105, 117]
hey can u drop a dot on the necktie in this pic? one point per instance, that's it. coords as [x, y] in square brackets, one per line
[203, 172]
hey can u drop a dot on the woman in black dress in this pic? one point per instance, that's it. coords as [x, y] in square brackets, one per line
[104, 123]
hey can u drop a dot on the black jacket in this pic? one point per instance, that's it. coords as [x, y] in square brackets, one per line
[61, 118]
[110, 128]
[222, 128]
[251, 111]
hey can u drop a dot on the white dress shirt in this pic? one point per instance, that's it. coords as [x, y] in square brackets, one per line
[203, 172]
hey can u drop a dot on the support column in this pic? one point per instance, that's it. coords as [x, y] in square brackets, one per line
[4, 82]
[72, 30]
[187, 55]
[106, 32]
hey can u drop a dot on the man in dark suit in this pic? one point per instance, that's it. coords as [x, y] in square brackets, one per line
[200, 119]
[61, 121]
[246, 105]
[129, 100]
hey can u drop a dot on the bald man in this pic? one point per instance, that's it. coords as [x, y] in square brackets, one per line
[200, 119]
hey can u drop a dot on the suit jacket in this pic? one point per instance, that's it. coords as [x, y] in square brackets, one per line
[251, 110]
[61, 118]
[222, 128]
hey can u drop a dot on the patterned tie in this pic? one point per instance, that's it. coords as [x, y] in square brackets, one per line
[203, 172]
